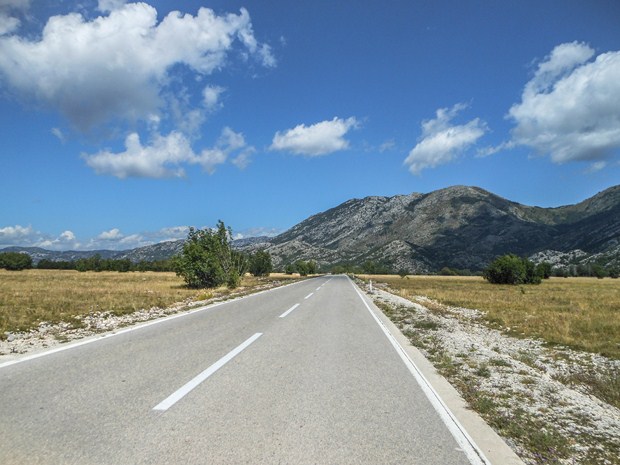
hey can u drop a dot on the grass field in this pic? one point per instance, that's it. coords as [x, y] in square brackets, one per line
[583, 313]
[32, 296]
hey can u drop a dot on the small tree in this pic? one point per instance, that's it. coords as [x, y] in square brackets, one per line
[260, 263]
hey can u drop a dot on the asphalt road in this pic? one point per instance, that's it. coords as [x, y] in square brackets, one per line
[302, 374]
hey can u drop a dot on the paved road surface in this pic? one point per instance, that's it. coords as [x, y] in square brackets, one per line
[299, 375]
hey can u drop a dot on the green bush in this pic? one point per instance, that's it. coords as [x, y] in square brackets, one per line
[15, 261]
[511, 269]
[208, 260]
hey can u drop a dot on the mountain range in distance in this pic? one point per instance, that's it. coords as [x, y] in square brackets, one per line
[458, 227]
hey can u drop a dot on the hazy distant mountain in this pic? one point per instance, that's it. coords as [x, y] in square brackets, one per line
[457, 227]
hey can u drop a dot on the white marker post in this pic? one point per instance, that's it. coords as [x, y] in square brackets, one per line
[370, 285]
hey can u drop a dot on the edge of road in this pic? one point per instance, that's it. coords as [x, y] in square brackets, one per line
[493, 447]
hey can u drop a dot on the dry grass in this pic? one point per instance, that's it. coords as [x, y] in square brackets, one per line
[32, 296]
[583, 313]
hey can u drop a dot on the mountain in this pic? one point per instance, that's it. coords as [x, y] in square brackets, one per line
[458, 227]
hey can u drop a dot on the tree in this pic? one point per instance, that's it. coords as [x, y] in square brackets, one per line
[511, 269]
[208, 260]
[15, 261]
[260, 263]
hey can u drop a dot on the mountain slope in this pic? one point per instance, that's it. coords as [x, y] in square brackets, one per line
[457, 227]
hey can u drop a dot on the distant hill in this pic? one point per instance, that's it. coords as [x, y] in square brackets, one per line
[458, 227]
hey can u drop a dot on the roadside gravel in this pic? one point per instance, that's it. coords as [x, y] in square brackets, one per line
[541, 399]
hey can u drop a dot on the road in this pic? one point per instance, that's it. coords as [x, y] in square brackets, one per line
[302, 374]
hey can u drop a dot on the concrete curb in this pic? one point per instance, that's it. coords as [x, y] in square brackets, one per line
[495, 449]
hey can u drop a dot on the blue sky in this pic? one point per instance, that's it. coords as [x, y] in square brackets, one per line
[123, 123]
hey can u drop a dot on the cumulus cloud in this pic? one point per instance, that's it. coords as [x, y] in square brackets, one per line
[318, 139]
[157, 160]
[112, 234]
[164, 156]
[441, 142]
[569, 110]
[27, 236]
[65, 241]
[118, 65]
[13, 235]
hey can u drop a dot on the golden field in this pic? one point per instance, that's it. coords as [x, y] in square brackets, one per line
[32, 296]
[583, 313]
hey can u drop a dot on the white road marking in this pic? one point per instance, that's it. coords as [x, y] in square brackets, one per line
[318, 288]
[289, 311]
[471, 450]
[309, 295]
[188, 387]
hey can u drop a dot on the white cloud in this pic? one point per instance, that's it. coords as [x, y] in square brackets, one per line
[67, 236]
[171, 233]
[228, 142]
[242, 160]
[211, 97]
[318, 139]
[118, 66]
[570, 108]
[165, 156]
[65, 241]
[111, 235]
[59, 134]
[8, 23]
[26, 236]
[150, 161]
[12, 234]
[441, 142]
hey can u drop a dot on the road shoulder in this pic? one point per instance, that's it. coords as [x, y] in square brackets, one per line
[495, 449]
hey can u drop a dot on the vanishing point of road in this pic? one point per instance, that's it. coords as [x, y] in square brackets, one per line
[302, 374]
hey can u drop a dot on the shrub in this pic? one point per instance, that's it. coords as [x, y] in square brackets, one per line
[511, 269]
[207, 259]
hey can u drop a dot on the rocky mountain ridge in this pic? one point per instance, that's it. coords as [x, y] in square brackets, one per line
[459, 227]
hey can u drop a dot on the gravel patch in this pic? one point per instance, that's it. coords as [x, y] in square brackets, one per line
[542, 399]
